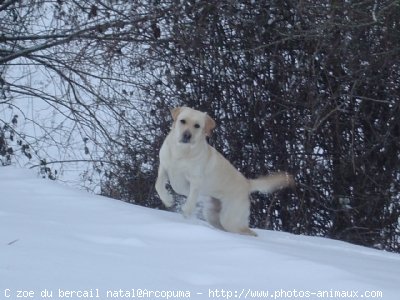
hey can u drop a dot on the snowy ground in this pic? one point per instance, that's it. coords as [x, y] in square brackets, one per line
[54, 239]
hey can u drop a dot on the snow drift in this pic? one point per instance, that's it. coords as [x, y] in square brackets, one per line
[61, 243]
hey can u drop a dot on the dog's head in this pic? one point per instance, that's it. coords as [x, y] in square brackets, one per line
[191, 126]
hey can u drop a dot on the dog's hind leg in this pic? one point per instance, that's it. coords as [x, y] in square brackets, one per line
[235, 214]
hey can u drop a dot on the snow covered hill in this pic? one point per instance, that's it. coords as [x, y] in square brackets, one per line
[64, 243]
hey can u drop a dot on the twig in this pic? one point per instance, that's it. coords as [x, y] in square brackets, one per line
[12, 242]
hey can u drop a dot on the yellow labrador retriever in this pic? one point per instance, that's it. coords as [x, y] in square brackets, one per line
[194, 169]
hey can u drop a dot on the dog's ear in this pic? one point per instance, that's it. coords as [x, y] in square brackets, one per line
[209, 126]
[175, 112]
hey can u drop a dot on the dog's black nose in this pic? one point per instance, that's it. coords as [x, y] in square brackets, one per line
[186, 136]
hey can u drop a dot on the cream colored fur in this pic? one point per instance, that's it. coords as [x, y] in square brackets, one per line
[194, 168]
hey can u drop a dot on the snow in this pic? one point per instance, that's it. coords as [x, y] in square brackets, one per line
[75, 245]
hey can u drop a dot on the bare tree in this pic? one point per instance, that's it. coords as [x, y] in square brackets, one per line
[82, 62]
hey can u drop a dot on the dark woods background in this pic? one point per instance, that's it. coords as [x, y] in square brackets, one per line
[309, 87]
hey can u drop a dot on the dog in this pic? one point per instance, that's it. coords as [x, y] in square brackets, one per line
[194, 168]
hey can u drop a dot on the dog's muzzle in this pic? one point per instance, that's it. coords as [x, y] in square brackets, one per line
[186, 136]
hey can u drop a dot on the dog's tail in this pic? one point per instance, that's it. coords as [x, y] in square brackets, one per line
[271, 183]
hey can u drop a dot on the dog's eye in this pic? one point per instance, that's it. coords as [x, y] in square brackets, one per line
[183, 121]
[196, 126]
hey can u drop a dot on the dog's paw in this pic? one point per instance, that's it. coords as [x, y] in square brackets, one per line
[187, 210]
[167, 199]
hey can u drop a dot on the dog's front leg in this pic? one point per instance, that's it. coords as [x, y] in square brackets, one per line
[162, 191]
[190, 205]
